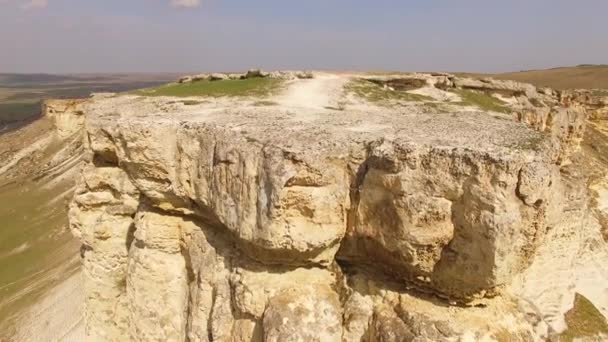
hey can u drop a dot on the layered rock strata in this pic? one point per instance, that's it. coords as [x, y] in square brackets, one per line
[231, 222]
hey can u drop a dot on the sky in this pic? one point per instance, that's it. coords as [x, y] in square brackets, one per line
[85, 36]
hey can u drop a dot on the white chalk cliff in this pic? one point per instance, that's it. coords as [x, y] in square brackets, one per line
[329, 219]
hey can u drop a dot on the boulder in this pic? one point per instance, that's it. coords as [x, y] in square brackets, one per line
[185, 79]
[200, 77]
[304, 75]
[236, 76]
[218, 77]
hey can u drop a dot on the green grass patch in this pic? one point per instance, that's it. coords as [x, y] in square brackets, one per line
[373, 92]
[584, 320]
[481, 100]
[247, 87]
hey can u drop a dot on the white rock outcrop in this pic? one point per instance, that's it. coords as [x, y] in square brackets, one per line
[66, 114]
[227, 222]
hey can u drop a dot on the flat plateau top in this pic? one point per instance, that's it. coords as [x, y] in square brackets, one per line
[321, 113]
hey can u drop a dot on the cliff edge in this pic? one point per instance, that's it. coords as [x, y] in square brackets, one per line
[332, 208]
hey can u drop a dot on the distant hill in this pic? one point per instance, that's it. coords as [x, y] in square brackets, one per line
[20, 94]
[585, 76]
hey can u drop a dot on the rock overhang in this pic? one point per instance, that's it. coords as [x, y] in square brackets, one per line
[301, 191]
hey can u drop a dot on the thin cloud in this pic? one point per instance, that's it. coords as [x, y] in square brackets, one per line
[35, 4]
[186, 3]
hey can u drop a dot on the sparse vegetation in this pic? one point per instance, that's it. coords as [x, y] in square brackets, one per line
[481, 100]
[373, 92]
[264, 103]
[188, 102]
[437, 107]
[33, 244]
[584, 320]
[247, 87]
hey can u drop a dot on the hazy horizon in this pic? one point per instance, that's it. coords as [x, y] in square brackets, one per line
[175, 36]
[244, 69]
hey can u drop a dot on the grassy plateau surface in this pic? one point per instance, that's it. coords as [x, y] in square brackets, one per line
[257, 87]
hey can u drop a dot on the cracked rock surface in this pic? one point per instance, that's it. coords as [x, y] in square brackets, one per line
[226, 221]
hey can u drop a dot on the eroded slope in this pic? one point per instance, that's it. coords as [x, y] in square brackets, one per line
[37, 171]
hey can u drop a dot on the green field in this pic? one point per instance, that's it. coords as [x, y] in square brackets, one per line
[257, 87]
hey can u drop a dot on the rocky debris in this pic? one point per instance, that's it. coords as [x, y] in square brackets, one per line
[253, 73]
[385, 224]
[290, 75]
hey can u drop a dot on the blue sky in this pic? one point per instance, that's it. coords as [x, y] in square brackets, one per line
[203, 35]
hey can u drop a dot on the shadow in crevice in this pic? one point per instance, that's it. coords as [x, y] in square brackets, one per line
[384, 281]
[130, 236]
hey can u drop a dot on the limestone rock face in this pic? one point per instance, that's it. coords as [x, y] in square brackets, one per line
[594, 101]
[67, 115]
[218, 77]
[505, 87]
[227, 222]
